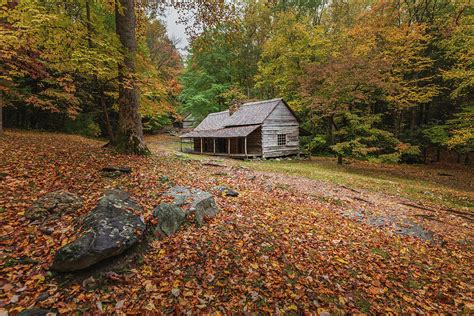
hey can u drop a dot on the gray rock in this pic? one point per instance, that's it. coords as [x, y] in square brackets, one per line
[212, 163]
[164, 179]
[170, 218]
[194, 201]
[226, 191]
[119, 169]
[115, 172]
[53, 203]
[35, 311]
[108, 230]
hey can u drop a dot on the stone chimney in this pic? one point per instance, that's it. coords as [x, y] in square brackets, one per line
[235, 105]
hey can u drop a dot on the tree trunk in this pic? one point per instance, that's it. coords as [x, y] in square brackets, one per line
[339, 159]
[89, 24]
[1, 112]
[438, 153]
[108, 125]
[129, 137]
[413, 121]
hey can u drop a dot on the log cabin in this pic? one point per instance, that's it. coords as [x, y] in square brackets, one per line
[265, 129]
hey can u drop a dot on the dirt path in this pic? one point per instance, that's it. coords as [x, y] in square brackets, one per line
[396, 214]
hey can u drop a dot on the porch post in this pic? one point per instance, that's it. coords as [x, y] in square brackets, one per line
[181, 144]
[201, 145]
[214, 147]
[228, 146]
[245, 142]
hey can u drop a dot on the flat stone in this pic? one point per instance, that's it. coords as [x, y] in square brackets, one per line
[119, 169]
[54, 203]
[35, 311]
[226, 191]
[212, 163]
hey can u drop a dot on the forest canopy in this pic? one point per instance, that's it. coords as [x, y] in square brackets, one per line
[384, 80]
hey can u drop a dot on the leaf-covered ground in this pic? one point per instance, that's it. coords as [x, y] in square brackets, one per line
[272, 249]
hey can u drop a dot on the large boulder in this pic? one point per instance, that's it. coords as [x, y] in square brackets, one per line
[194, 201]
[54, 203]
[108, 230]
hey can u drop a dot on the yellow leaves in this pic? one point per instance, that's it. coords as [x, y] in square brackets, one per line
[188, 293]
[146, 270]
[407, 298]
[149, 286]
[150, 306]
[161, 253]
[341, 260]
[292, 308]
[254, 266]
[39, 278]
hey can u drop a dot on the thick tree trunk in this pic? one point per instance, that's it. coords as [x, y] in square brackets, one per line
[339, 159]
[129, 137]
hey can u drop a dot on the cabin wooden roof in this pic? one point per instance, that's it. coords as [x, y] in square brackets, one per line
[252, 113]
[213, 121]
[241, 123]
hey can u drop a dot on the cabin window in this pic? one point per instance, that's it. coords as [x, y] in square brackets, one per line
[281, 139]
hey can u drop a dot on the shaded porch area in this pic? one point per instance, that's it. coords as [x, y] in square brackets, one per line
[247, 144]
[232, 147]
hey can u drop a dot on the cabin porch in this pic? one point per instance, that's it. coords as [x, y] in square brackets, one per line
[237, 147]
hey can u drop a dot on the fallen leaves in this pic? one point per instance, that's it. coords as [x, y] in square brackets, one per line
[269, 251]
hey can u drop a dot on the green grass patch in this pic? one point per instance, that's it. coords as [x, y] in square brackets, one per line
[380, 252]
[415, 182]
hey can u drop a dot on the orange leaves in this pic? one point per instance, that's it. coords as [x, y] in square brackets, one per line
[272, 251]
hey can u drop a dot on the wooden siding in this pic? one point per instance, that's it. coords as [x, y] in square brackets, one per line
[188, 124]
[280, 121]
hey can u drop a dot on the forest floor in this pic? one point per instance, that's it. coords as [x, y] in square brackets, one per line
[301, 236]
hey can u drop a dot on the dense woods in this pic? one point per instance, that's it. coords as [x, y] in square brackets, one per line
[385, 80]
[86, 67]
[381, 80]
